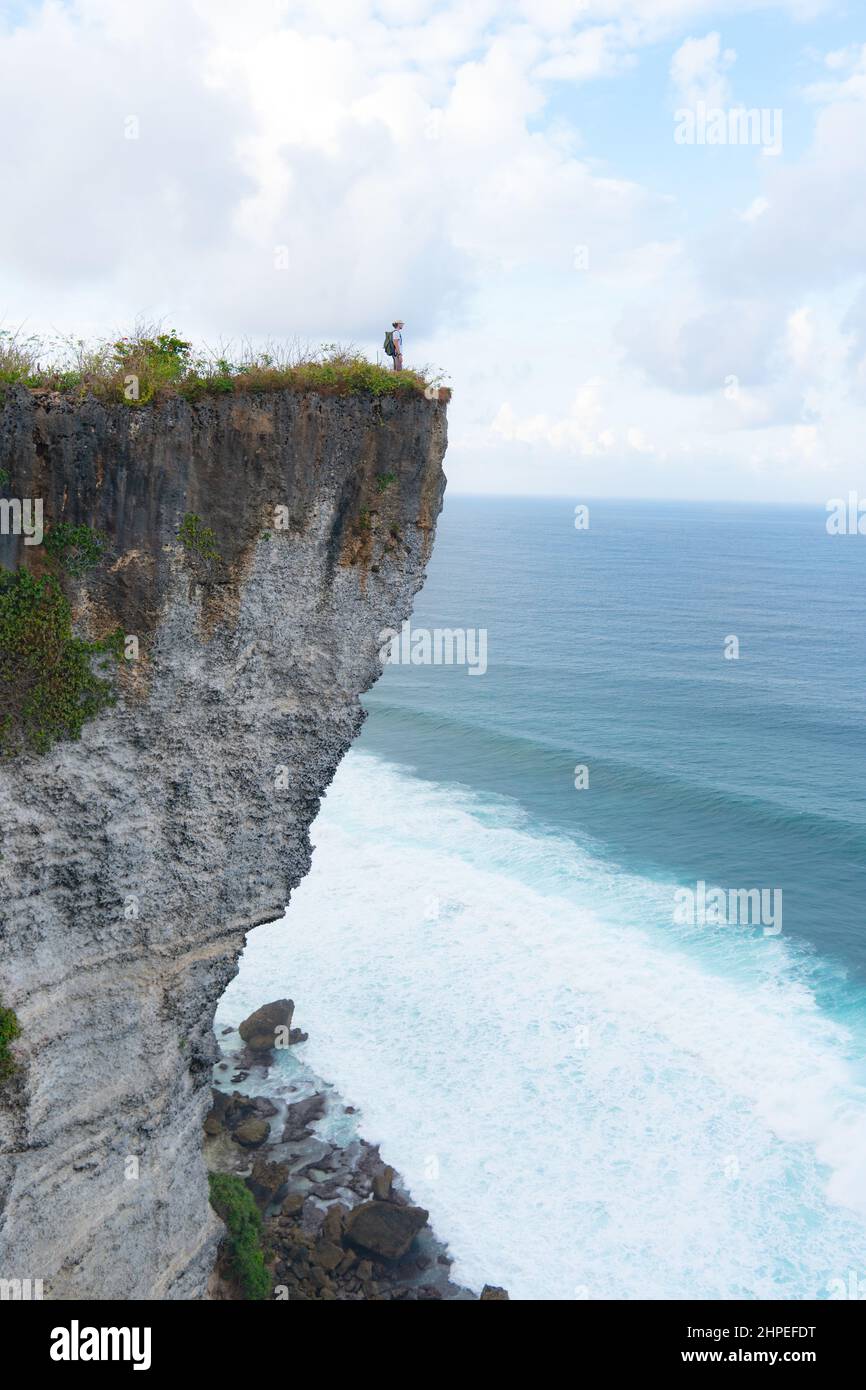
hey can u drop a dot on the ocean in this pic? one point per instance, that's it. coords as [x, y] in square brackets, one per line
[594, 1094]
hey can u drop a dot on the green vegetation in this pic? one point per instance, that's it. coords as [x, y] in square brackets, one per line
[114, 645]
[77, 549]
[48, 687]
[19, 360]
[151, 365]
[384, 481]
[194, 535]
[232, 1200]
[4, 477]
[10, 1029]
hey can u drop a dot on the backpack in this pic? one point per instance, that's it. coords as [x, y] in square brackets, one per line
[389, 344]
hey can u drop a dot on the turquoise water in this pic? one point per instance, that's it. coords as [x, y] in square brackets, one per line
[606, 649]
[593, 1100]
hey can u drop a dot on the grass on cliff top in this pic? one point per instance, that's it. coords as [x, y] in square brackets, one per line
[152, 365]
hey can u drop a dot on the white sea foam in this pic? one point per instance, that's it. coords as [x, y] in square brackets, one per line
[591, 1102]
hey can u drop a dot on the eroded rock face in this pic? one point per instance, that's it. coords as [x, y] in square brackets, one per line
[135, 861]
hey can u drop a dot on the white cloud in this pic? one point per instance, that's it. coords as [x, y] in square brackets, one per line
[801, 336]
[595, 52]
[851, 86]
[422, 159]
[812, 231]
[582, 431]
[699, 71]
[686, 346]
[756, 209]
[292, 175]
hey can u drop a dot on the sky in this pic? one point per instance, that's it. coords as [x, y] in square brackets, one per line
[632, 291]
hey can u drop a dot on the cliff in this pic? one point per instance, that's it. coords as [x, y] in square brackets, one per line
[134, 860]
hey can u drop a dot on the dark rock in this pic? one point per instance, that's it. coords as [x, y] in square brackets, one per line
[312, 1216]
[382, 1184]
[259, 1031]
[335, 1222]
[236, 1109]
[266, 1179]
[493, 1293]
[301, 1116]
[326, 1190]
[384, 1229]
[327, 1255]
[296, 1035]
[219, 1101]
[370, 1161]
[251, 1133]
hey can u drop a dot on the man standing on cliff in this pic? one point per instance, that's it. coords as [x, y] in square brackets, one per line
[397, 339]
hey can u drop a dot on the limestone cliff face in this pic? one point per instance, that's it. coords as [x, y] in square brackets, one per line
[133, 862]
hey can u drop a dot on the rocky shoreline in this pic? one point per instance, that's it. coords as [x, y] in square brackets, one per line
[338, 1222]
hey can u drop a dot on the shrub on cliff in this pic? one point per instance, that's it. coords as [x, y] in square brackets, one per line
[48, 688]
[232, 1200]
[10, 1029]
[146, 365]
[198, 538]
[77, 549]
[19, 359]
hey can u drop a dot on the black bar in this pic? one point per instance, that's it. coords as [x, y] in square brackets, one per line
[216, 1337]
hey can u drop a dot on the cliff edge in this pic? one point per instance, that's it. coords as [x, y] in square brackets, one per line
[254, 547]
